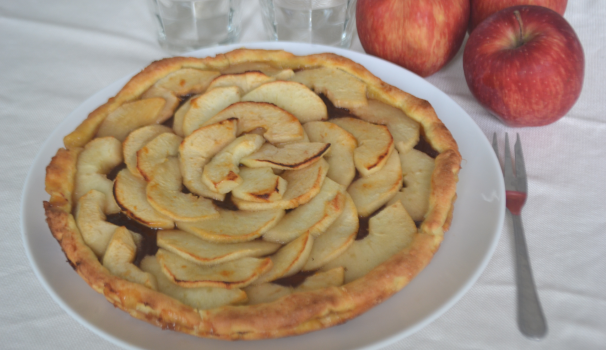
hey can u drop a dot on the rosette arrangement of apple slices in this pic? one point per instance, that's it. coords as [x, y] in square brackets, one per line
[264, 213]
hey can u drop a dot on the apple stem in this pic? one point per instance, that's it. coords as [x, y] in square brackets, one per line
[519, 19]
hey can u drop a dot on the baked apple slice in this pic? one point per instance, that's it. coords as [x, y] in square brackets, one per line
[233, 226]
[342, 89]
[260, 185]
[245, 81]
[99, 158]
[390, 231]
[371, 192]
[207, 105]
[171, 101]
[291, 96]
[91, 221]
[290, 157]
[186, 81]
[405, 131]
[204, 298]
[233, 274]
[131, 116]
[137, 140]
[203, 252]
[342, 146]
[417, 168]
[289, 259]
[119, 257]
[375, 144]
[156, 152]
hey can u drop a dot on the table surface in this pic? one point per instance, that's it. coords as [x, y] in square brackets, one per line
[55, 54]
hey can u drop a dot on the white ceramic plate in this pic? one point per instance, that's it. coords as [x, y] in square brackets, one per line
[467, 248]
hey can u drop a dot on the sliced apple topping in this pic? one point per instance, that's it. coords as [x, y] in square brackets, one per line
[131, 116]
[417, 168]
[203, 298]
[290, 157]
[90, 219]
[137, 140]
[342, 89]
[187, 81]
[342, 145]
[233, 226]
[99, 158]
[268, 292]
[221, 173]
[291, 96]
[245, 81]
[313, 217]
[390, 231]
[259, 185]
[207, 105]
[197, 150]
[371, 192]
[171, 101]
[164, 194]
[203, 252]
[278, 73]
[303, 185]
[156, 152]
[233, 274]
[131, 196]
[289, 259]
[405, 131]
[375, 144]
[336, 239]
[278, 125]
[180, 115]
[119, 257]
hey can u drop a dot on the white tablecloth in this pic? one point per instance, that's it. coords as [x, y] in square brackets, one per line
[55, 54]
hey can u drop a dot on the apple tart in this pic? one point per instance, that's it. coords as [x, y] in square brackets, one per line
[255, 194]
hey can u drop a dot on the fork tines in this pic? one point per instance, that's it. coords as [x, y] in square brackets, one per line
[517, 181]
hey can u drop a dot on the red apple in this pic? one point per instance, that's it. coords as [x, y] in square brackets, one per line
[481, 9]
[420, 35]
[525, 65]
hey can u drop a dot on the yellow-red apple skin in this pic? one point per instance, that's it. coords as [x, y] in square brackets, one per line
[419, 35]
[530, 82]
[481, 9]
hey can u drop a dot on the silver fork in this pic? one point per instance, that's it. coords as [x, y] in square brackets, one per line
[531, 320]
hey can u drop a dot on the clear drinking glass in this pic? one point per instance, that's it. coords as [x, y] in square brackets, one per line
[186, 25]
[327, 22]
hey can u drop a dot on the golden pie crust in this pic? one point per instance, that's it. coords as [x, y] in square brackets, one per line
[296, 313]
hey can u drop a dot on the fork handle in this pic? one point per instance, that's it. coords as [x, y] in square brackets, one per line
[531, 320]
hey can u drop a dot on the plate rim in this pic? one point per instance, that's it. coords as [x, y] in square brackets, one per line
[287, 46]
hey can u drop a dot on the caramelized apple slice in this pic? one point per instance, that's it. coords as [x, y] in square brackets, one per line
[157, 151]
[313, 217]
[390, 231]
[375, 144]
[289, 259]
[164, 194]
[207, 105]
[342, 146]
[196, 151]
[203, 252]
[293, 97]
[137, 140]
[233, 274]
[278, 73]
[278, 125]
[131, 116]
[90, 219]
[336, 239]
[245, 81]
[417, 168]
[119, 257]
[171, 101]
[131, 196]
[371, 192]
[180, 115]
[323, 279]
[187, 81]
[221, 173]
[204, 298]
[303, 185]
[405, 131]
[234, 226]
[259, 185]
[99, 158]
[342, 89]
[290, 157]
